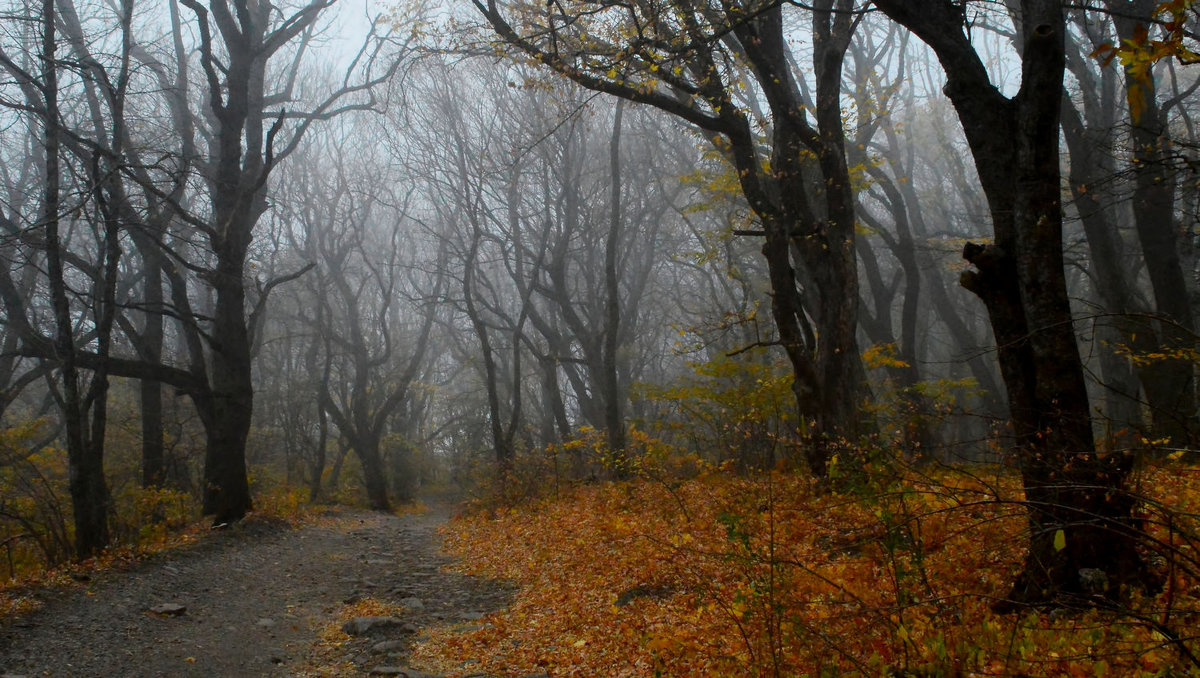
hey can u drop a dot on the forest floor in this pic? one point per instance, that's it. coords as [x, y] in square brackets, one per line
[260, 598]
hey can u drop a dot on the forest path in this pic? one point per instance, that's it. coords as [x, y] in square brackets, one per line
[257, 597]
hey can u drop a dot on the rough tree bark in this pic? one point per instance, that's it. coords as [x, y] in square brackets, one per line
[1079, 512]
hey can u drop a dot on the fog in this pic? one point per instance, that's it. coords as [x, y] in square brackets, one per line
[370, 250]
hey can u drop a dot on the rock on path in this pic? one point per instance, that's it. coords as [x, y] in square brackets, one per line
[245, 602]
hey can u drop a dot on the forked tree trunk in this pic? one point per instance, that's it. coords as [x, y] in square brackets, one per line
[1081, 533]
[374, 478]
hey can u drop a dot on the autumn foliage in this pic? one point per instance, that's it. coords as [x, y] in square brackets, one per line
[768, 575]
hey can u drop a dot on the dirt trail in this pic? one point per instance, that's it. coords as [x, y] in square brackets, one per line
[256, 596]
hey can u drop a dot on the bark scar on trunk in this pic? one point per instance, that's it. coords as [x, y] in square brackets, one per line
[986, 260]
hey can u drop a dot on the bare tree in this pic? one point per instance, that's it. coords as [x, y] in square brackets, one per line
[690, 66]
[363, 242]
[209, 178]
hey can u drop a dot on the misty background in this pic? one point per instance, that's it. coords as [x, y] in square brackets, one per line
[362, 250]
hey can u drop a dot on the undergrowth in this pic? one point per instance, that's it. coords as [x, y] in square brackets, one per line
[766, 575]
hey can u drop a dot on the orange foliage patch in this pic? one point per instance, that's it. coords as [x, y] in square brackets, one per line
[765, 576]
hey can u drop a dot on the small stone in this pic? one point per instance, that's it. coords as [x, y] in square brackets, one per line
[169, 609]
[265, 623]
[388, 646]
[472, 616]
[413, 603]
[363, 625]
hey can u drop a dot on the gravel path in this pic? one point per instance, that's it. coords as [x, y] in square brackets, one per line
[255, 598]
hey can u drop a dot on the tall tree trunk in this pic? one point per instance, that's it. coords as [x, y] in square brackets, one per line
[374, 477]
[917, 434]
[614, 422]
[240, 158]
[1169, 382]
[1079, 512]
[96, 493]
[1089, 167]
[109, 197]
[226, 487]
[87, 486]
[501, 440]
[151, 392]
[827, 370]
[325, 343]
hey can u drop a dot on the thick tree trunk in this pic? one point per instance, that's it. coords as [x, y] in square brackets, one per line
[816, 329]
[374, 478]
[834, 264]
[1081, 530]
[226, 489]
[240, 158]
[1077, 522]
[795, 337]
